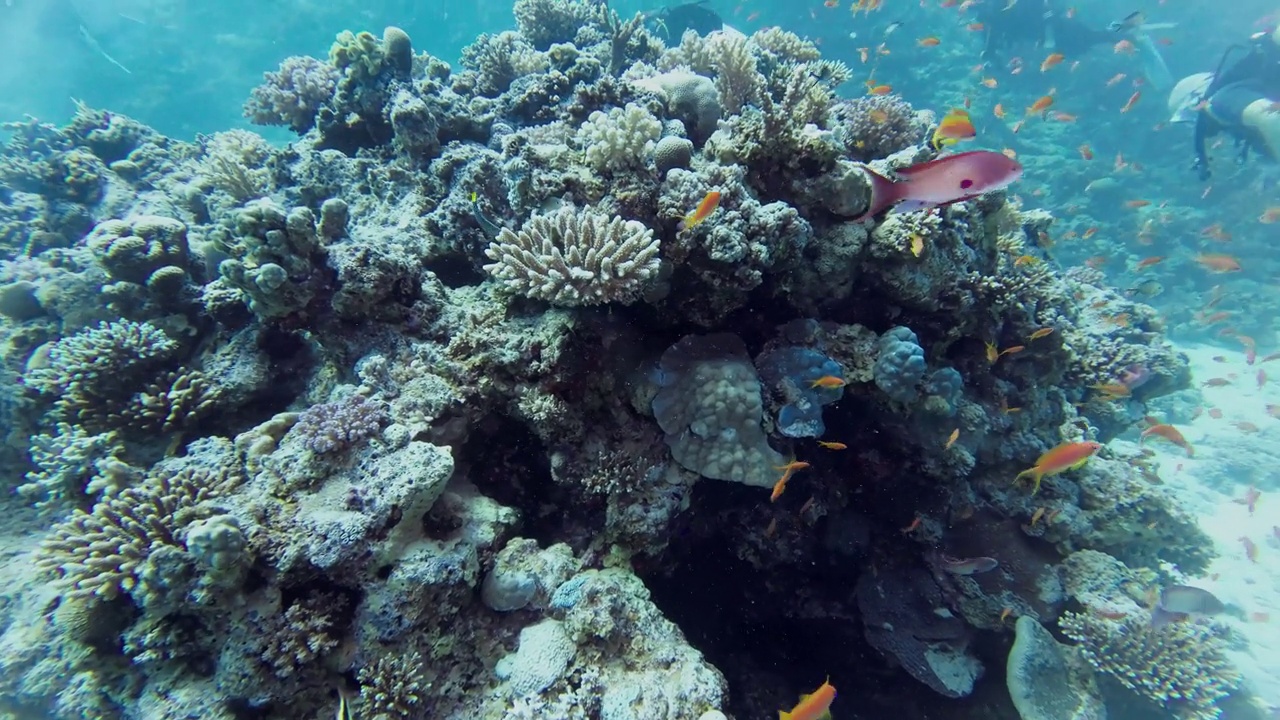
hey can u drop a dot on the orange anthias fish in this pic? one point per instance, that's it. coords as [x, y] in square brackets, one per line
[1067, 456]
[709, 203]
[1133, 100]
[828, 381]
[812, 706]
[931, 41]
[1218, 262]
[787, 471]
[1040, 106]
[955, 126]
[1052, 61]
[880, 90]
[1170, 433]
[946, 180]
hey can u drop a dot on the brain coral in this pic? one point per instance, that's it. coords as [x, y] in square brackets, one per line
[574, 257]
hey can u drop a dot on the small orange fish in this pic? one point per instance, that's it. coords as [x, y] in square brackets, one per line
[1250, 549]
[709, 203]
[1052, 61]
[1040, 105]
[1064, 457]
[931, 41]
[1005, 613]
[772, 529]
[880, 90]
[1133, 100]
[1035, 517]
[1086, 152]
[828, 381]
[1115, 79]
[1042, 332]
[1170, 433]
[1148, 262]
[951, 439]
[1135, 204]
[812, 706]
[1269, 216]
[998, 111]
[833, 445]
[1262, 377]
[787, 471]
[1124, 46]
[1089, 232]
[1218, 262]
[1115, 390]
[993, 353]
[912, 527]
[1246, 426]
[975, 27]
[989, 82]
[1012, 350]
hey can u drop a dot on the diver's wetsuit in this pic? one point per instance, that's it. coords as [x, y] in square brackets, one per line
[1039, 23]
[1241, 102]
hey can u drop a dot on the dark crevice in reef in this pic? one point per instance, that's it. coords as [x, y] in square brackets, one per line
[455, 271]
[778, 619]
[509, 464]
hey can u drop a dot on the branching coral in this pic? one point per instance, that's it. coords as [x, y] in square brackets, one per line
[498, 60]
[235, 162]
[101, 552]
[620, 139]
[335, 426]
[306, 631]
[292, 94]
[94, 372]
[391, 688]
[575, 257]
[1182, 667]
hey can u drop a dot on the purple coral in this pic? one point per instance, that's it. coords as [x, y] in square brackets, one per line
[335, 426]
[877, 126]
[292, 94]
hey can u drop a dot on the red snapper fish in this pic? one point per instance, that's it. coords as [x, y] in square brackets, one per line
[943, 181]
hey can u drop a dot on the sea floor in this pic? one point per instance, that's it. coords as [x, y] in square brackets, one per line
[1236, 445]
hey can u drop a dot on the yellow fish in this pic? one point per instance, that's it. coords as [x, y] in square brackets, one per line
[709, 203]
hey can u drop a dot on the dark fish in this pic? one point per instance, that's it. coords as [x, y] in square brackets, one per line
[490, 227]
[695, 16]
[1133, 20]
[969, 566]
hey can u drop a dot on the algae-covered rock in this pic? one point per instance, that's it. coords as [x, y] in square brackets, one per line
[1047, 680]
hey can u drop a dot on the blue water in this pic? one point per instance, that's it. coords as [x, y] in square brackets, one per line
[294, 428]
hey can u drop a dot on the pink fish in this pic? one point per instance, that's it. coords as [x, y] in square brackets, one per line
[945, 180]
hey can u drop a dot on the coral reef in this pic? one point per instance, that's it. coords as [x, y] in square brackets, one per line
[424, 413]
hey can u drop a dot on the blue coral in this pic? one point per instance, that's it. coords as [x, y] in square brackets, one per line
[790, 373]
[900, 366]
[948, 385]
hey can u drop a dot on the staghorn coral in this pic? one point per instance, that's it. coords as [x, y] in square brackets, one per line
[391, 687]
[101, 553]
[292, 94]
[737, 78]
[575, 257]
[1182, 667]
[619, 140]
[71, 464]
[94, 372]
[303, 634]
[174, 400]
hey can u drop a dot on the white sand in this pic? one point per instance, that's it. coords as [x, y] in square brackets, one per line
[1228, 459]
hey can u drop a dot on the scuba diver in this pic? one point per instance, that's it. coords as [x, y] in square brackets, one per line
[673, 20]
[1037, 22]
[1242, 100]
